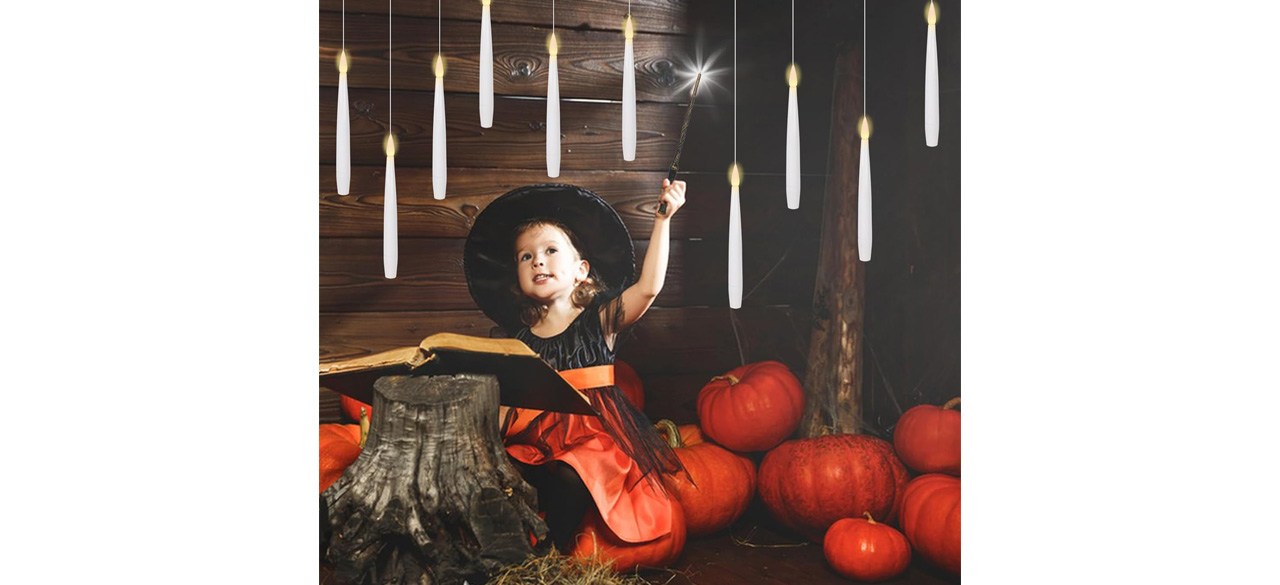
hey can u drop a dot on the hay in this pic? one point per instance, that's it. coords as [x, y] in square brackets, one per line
[558, 569]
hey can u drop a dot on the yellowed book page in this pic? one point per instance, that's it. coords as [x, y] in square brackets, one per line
[505, 346]
[411, 356]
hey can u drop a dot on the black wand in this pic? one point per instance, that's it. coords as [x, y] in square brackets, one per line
[684, 130]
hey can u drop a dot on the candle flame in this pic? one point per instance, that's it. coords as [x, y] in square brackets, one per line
[439, 66]
[486, 2]
[553, 44]
[389, 145]
[864, 127]
[629, 28]
[793, 75]
[343, 63]
[931, 13]
[735, 174]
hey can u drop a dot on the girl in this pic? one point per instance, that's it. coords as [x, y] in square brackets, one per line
[553, 265]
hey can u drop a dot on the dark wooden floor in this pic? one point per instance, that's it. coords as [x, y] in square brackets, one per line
[756, 551]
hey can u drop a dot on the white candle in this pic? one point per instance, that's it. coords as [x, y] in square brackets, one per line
[439, 156]
[553, 113]
[864, 192]
[629, 94]
[735, 238]
[931, 79]
[390, 229]
[343, 157]
[486, 68]
[793, 139]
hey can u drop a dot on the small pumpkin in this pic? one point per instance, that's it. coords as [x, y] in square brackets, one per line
[723, 483]
[927, 438]
[752, 407]
[627, 380]
[340, 445]
[595, 538]
[930, 518]
[808, 484]
[351, 407]
[866, 550]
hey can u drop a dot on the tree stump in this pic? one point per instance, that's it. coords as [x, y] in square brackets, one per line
[433, 498]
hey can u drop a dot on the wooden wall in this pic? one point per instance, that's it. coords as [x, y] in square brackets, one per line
[690, 334]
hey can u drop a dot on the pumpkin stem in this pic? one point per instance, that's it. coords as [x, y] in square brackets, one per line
[364, 425]
[869, 518]
[668, 428]
[732, 379]
[954, 402]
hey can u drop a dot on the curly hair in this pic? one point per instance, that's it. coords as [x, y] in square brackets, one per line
[583, 294]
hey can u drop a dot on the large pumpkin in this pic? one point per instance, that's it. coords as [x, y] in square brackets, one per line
[340, 445]
[930, 517]
[722, 483]
[808, 484]
[866, 550]
[594, 537]
[927, 438]
[751, 408]
[627, 380]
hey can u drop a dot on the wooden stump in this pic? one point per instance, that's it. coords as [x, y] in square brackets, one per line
[433, 497]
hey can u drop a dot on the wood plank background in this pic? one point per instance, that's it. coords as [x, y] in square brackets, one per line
[690, 335]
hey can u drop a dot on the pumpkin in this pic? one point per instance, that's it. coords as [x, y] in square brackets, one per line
[340, 445]
[927, 438]
[595, 538]
[626, 379]
[722, 483]
[351, 407]
[690, 435]
[808, 484]
[751, 408]
[930, 517]
[866, 550]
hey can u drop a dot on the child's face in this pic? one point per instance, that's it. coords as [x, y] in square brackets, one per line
[547, 265]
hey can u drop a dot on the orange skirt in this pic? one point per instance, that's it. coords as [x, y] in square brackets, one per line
[632, 506]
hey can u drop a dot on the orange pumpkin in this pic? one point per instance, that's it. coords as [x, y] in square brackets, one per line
[595, 538]
[340, 445]
[351, 407]
[930, 517]
[927, 438]
[808, 484]
[626, 378]
[866, 550]
[723, 483]
[752, 407]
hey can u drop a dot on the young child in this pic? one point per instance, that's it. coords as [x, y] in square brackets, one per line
[553, 265]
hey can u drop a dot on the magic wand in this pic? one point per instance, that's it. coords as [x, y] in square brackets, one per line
[684, 130]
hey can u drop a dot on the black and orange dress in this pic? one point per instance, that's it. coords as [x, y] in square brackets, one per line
[618, 455]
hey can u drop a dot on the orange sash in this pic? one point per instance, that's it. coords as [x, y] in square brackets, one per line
[579, 378]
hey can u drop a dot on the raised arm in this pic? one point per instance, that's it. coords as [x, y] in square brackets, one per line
[653, 273]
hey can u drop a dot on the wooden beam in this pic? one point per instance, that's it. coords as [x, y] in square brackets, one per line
[667, 341]
[632, 194]
[430, 274]
[590, 62]
[591, 132]
[650, 15]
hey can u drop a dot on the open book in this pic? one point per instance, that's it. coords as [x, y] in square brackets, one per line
[525, 380]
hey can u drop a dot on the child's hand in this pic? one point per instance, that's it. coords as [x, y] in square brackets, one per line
[672, 196]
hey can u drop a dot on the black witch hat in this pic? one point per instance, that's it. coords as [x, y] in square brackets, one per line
[489, 256]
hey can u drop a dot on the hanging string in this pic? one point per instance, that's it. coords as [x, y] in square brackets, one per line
[864, 58]
[344, 26]
[438, 49]
[793, 31]
[388, 66]
[735, 81]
